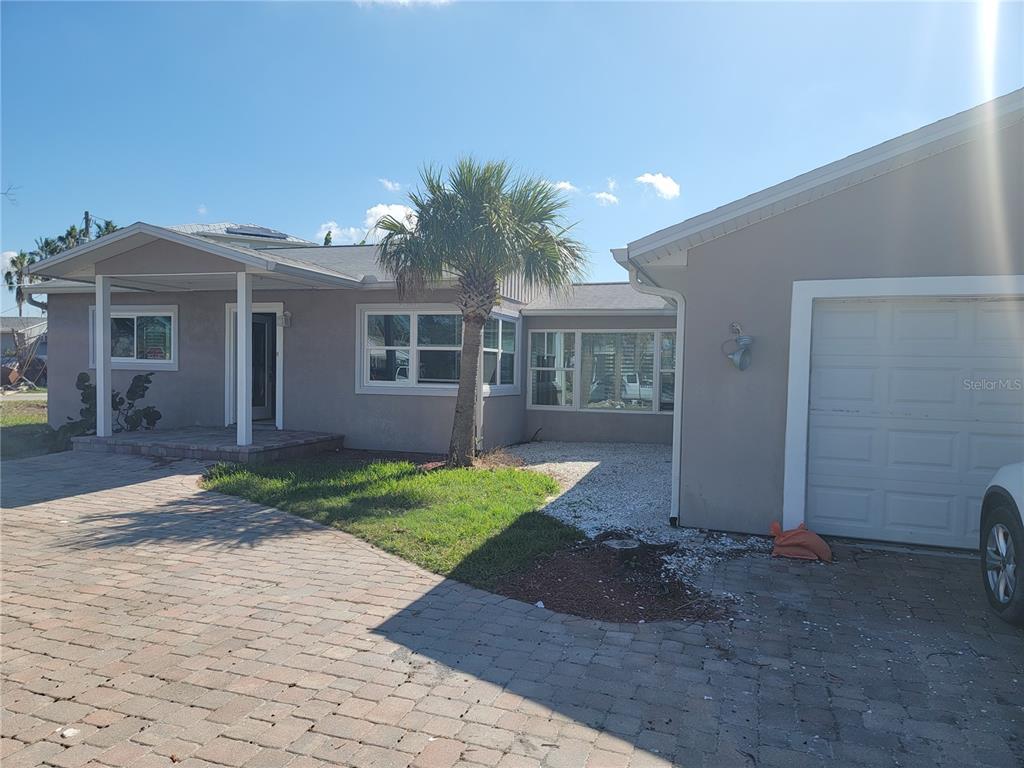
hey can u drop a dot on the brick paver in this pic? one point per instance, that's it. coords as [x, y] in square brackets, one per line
[149, 623]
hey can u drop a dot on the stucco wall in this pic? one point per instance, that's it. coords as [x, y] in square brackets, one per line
[597, 426]
[319, 371]
[945, 215]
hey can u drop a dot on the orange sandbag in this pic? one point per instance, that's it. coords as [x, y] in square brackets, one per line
[800, 543]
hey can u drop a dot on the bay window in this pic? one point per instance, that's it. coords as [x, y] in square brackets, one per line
[422, 349]
[621, 371]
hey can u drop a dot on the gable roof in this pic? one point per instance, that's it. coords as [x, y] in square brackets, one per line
[598, 299]
[890, 155]
[244, 231]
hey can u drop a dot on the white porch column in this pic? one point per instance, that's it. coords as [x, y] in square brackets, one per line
[243, 360]
[101, 337]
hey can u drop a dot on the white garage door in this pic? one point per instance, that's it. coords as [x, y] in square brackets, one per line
[914, 404]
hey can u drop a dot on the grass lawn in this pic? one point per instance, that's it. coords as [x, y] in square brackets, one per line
[474, 525]
[23, 429]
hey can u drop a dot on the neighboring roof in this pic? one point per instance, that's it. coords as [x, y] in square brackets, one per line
[896, 153]
[599, 299]
[256, 232]
[15, 324]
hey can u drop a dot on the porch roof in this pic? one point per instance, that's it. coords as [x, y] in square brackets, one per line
[271, 268]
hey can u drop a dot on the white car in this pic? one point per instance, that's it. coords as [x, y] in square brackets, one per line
[1002, 542]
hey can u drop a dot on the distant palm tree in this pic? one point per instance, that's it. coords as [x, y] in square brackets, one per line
[106, 228]
[17, 275]
[478, 225]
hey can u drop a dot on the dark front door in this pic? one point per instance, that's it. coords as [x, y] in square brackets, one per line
[264, 365]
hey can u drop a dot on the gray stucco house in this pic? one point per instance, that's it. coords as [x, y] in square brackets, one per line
[331, 348]
[848, 348]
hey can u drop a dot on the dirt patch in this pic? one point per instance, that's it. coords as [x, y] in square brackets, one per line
[595, 582]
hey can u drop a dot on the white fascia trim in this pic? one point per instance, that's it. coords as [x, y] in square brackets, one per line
[952, 130]
[44, 266]
[677, 394]
[805, 293]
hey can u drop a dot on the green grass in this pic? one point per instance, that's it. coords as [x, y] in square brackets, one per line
[474, 525]
[24, 431]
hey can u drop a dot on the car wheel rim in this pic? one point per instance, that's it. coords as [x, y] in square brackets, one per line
[1000, 563]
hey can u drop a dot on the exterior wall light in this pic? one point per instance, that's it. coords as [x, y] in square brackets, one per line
[740, 343]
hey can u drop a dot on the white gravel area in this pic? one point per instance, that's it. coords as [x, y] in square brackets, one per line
[627, 487]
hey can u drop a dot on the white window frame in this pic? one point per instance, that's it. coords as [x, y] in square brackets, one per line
[364, 386]
[577, 405]
[661, 370]
[135, 311]
[501, 388]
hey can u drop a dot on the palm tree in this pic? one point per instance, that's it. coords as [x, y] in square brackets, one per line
[478, 226]
[106, 228]
[17, 275]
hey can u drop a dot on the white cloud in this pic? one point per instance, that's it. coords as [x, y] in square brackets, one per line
[666, 187]
[201, 210]
[605, 198]
[7, 256]
[389, 185]
[564, 186]
[351, 235]
[612, 184]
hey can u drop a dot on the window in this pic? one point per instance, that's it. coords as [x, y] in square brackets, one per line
[407, 349]
[621, 371]
[140, 337]
[499, 352]
[618, 370]
[667, 372]
[552, 368]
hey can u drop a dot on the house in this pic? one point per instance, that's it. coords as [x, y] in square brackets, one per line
[330, 347]
[876, 377]
[23, 348]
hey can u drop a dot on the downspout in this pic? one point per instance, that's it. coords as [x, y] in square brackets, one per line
[635, 279]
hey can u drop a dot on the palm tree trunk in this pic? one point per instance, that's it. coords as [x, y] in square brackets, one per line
[462, 449]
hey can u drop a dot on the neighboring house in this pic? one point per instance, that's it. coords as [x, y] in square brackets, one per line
[885, 297]
[331, 347]
[25, 330]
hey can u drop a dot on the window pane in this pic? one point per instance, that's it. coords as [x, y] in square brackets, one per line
[552, 349]
[508, 336]
[508, 368]
[389, 365]
[668, 351]
[552, 387]
[439, 331]
[387, 330]
[122, 337]
[153, 338]
[618, 370]
[439, 367]
[668, 390]
[491, 333]
[490, 373]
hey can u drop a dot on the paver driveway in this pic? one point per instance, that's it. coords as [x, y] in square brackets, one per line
[165, 625]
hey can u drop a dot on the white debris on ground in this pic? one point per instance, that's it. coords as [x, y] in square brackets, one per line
[627, 487]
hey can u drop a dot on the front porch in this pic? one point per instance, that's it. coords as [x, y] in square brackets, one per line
[214, 444]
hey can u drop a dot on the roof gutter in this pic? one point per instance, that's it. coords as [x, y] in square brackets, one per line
[644, 284]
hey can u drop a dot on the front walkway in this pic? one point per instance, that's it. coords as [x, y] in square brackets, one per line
[149, 623]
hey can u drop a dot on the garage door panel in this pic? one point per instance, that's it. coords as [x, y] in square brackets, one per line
[902, 436]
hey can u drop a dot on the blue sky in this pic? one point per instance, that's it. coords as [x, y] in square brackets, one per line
[290, 115]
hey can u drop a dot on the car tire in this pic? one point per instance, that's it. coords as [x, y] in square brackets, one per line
[1002, 522]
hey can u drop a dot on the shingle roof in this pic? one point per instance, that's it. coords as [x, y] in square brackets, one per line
[599, 297]
[355, 261]
[222, 227]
